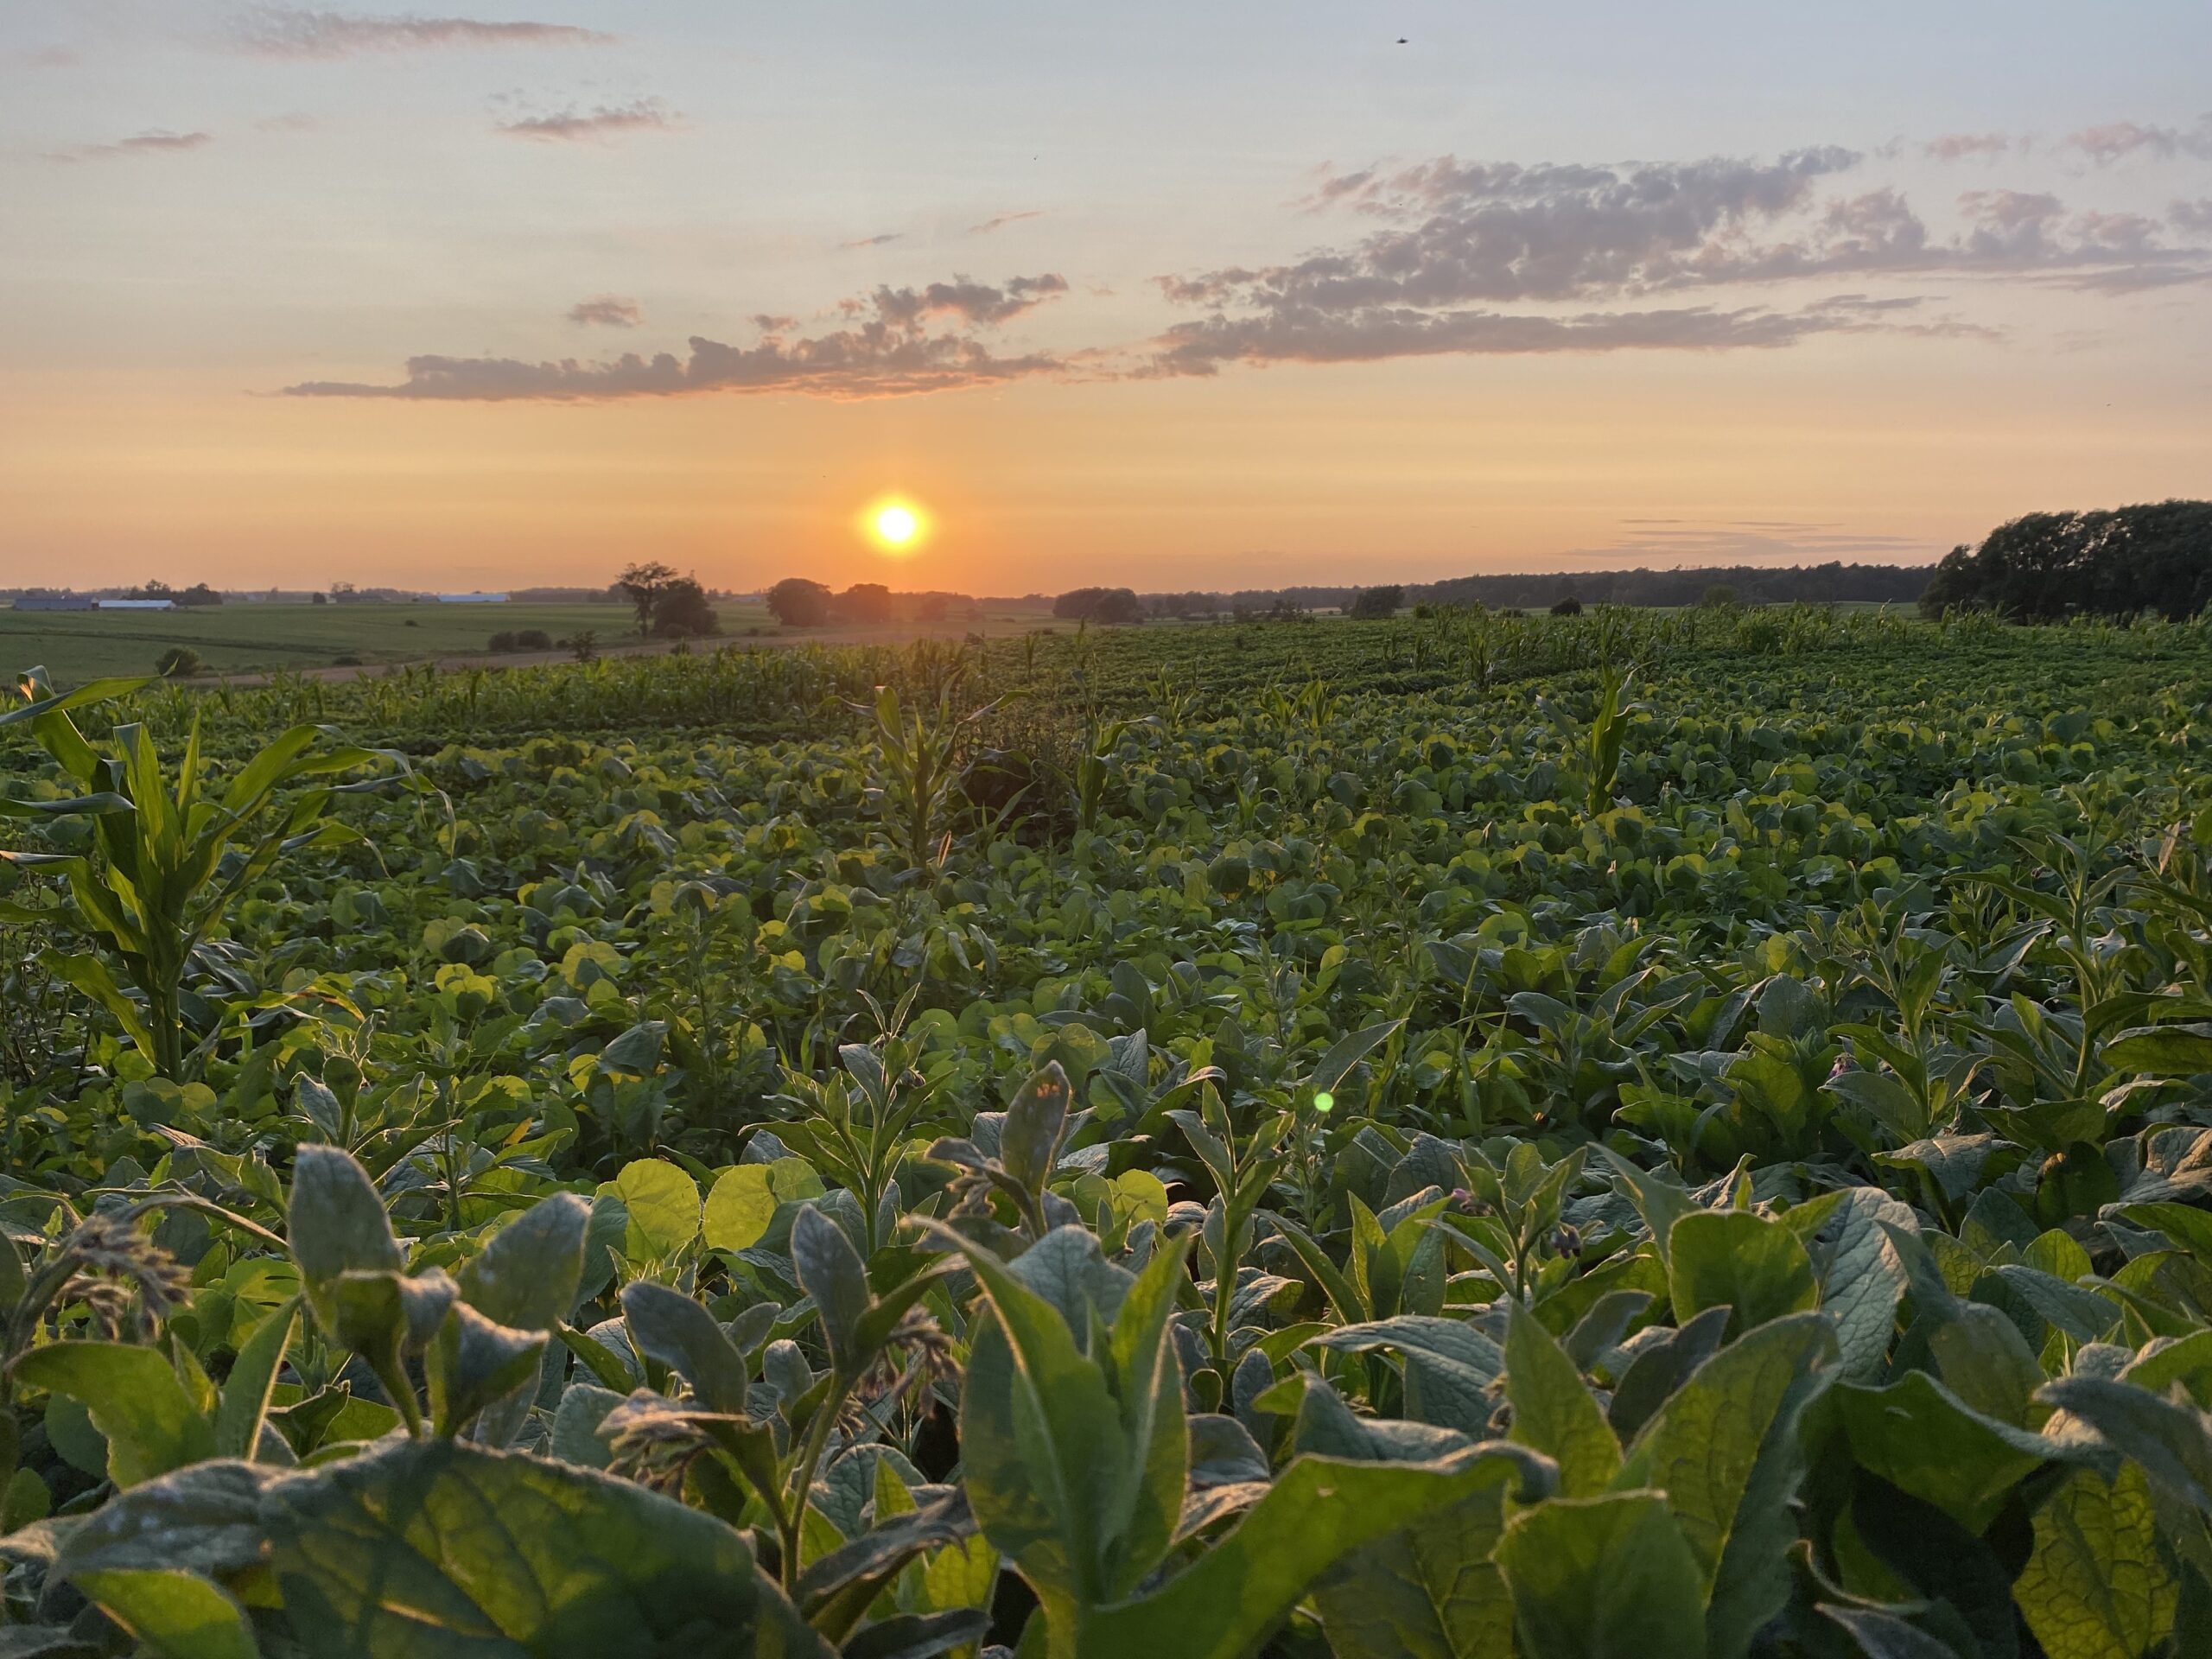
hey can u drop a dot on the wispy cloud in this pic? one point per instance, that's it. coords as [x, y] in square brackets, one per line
[882, 241]
[1001, 220]
[279, 32]
[145, 144]
[889, 348]
[51, 57]
[606, 120]
[607, 311]
[2117, 140]
[1968, 146]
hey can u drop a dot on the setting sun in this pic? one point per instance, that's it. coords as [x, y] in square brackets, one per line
[895, 526]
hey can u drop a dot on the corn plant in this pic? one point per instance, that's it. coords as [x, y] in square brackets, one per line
[172, 855]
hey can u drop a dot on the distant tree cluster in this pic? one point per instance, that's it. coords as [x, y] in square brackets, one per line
[672, 607]
[183, 597]
[863, 602]
[1818, 584]
[521, 639]
[798, 603]
[2154, 557]
[1185, 606]
[1109, 606]
[1376, 604]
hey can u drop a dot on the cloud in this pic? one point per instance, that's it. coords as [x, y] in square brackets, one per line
[1368, 333]
[145, 144]
[607, 121]
[1966, 146]
[1466, 239]
[889, 349]
[607, 311]
[277, 31]
[297, 122]
[1478, 232]
[1003, 220]
[973, 302]
[51, 57]
[883, 240]
[1447, 257]
[2117, 140]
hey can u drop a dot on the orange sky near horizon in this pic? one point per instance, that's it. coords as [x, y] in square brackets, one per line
[1233, 482]
[1376, 305]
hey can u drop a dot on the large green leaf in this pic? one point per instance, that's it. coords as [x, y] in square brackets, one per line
[175, 1615]
[663, 1208]
[1041, 1440]
[336, 1224]
[134, 1400]
[2098, 1585]
[2173, 1442]
[1922, 1439]
[1431, 1592]
[1865, 1280]
[205, 1519]
[1318, 1512]
[1449, 1366]
[244, 1405]
[1554, 1412]
[526, 1276]
[1725, 1450]
[670, 1329]
[1604, 1578]
[2160, 1051]
[438, 1550]
[1734, 1258]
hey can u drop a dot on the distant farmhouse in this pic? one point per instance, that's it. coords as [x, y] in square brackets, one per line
[471, 598]
[134, 605]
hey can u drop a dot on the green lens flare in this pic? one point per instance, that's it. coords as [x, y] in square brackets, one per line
[1323, 1100]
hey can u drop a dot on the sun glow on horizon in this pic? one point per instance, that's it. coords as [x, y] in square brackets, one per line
[895, 524]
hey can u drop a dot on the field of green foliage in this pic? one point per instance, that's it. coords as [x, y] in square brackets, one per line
[1683, 1136]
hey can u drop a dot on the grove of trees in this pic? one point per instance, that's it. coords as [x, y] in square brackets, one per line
[864, 601]
[1101, 604]
[798, 603]
[1376, 604]
[681, 611]
[669, 605]
[2116, 561]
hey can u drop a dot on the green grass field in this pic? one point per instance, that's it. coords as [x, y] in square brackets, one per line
[235, 639]
[243, 638]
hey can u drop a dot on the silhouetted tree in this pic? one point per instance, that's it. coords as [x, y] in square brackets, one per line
[2151, 556]
[1101, 604]
[643, 584]
[681, 611]
[798, 603]
[864, 601]
[1377, 604]
[1568, 607]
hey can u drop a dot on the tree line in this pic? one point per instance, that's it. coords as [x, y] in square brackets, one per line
[2154, 557]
